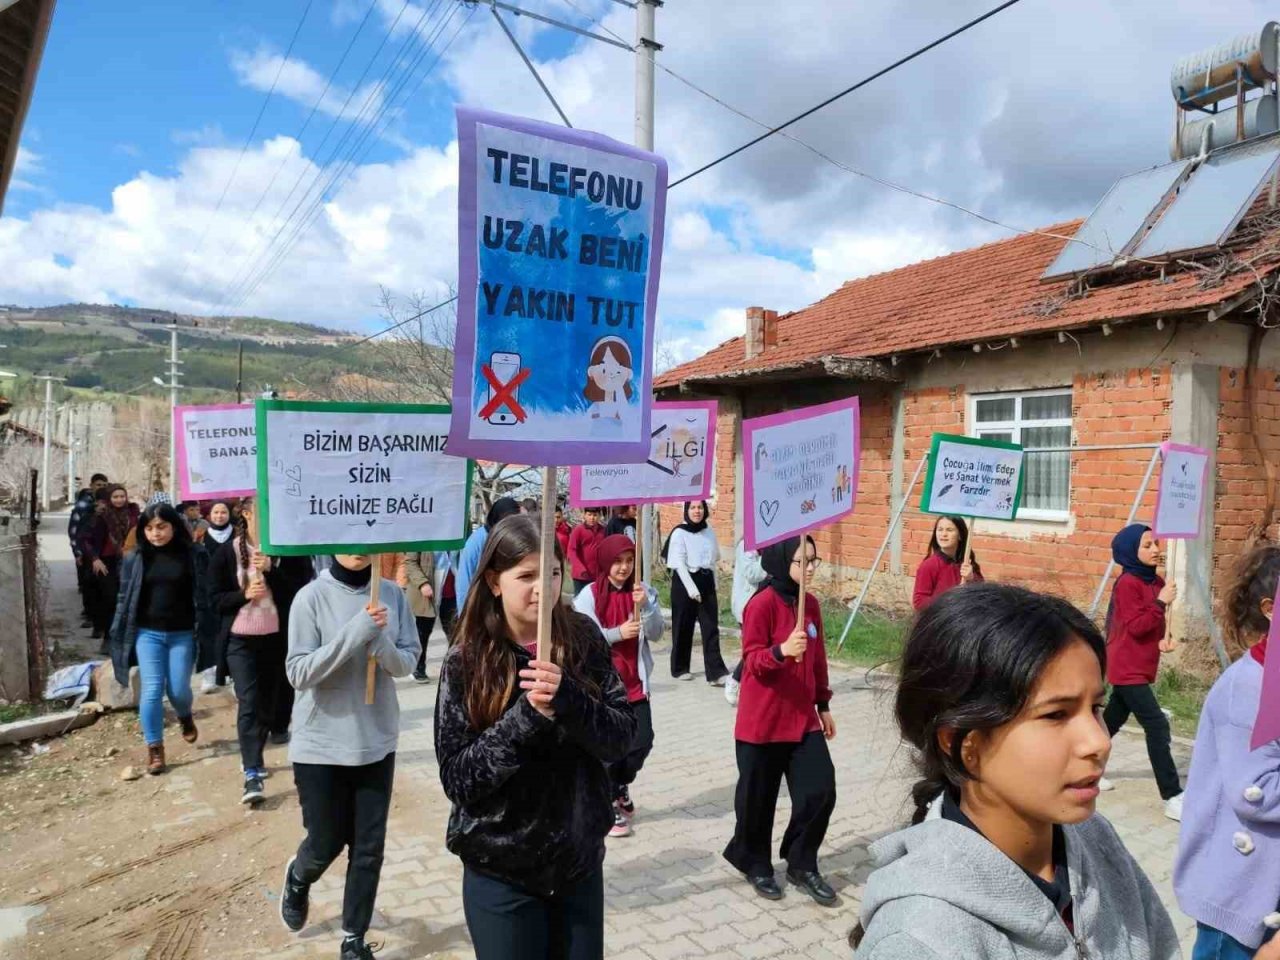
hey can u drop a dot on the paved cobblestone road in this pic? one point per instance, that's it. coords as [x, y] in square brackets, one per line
[668, 892]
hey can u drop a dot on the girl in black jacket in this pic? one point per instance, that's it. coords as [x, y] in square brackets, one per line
[522, 745]
[252, 593]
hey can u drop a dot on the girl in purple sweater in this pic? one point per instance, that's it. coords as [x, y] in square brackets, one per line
[1227, 875]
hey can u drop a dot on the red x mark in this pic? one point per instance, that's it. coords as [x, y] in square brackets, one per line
[504, 394]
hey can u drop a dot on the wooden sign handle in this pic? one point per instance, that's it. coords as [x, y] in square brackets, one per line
[804, 575]
[375, 590]
[547, 562]
[968, 540]
[1168, 645]
[635, 573]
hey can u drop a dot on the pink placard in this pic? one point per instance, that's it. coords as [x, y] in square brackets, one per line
[801, 470]
[1267, 727]
[216, 450]
[679, 468]
[1181, 491]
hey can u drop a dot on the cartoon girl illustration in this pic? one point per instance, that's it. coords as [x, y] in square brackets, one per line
[609, 377]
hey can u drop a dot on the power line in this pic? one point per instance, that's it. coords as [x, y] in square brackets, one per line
[848, 90]
[401, 323]
[257, 120]
[348, 166]
[338, 117]
[305, 123]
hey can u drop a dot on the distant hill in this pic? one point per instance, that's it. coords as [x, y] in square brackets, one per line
[112, 349]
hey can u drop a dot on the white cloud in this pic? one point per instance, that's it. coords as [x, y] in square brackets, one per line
[27, 168]
[297, 80]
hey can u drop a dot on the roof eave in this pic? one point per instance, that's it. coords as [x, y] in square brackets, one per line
[9, 160]
[830, 367]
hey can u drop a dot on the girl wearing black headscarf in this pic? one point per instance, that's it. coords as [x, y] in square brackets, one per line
[1135, 639]
[692, 553]
[784, 720]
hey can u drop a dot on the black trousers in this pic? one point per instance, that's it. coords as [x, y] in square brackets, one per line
[510, 923]
[345, 807]
[104, 590]
[425, 626]
[84, 583]
[257, 667]
[685, 612]
[447, 611]
[811, 781]
[624, 771]
[1140, 700]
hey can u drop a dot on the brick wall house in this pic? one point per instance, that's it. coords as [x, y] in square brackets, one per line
[975, 343]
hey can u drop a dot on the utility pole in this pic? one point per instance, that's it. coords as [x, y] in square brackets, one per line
[48, 429]
[71, 454]
[174, 387]
[646, 49]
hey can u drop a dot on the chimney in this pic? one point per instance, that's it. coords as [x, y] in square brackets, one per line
[762, 330]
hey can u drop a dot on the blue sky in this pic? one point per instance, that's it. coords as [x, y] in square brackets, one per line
[141, 111]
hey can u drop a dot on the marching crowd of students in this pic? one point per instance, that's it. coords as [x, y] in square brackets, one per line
[1007, 698]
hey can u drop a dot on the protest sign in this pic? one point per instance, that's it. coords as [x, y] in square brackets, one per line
[973, 478]
[801, 470]
[559, 249]
[358, 478]
[1267, 725]
[1180, 496]
[681, 454]
[216, 450]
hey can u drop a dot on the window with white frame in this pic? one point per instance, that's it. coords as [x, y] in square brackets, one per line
[1033, 418]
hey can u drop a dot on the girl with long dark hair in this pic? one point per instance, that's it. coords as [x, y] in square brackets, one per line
[154, 621]
[523, 746]
[692, 552]
[1000, 697]
[1227, 875]
[947, 564]
[784, 721]
[253, 593]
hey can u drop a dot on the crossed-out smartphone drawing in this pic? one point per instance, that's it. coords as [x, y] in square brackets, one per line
[504, 366]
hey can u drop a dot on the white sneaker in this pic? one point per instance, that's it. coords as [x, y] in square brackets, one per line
[1173, 808]
[685, 676]
[731, 687]
[209, 680]
[1105, 785]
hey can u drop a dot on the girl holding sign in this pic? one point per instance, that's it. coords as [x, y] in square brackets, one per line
[1228, 870]
[692, 552]
[628, 614]
[947, 564]
[999, 695]
[784, 721]
[343, 749]
[1135, 633]
[523, 746]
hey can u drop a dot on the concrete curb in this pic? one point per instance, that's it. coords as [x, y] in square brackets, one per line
[50, 725]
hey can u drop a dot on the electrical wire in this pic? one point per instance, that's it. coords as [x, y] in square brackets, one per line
[253, 130]
[361, 148]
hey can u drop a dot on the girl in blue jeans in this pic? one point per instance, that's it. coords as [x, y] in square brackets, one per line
[154, 623]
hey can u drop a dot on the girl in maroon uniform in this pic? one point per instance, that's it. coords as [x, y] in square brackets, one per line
[945, 566]
[784, 721]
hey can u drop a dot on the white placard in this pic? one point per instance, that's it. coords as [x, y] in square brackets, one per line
[1180, 496]
[216, 450]
[359, 478]
[973, 478]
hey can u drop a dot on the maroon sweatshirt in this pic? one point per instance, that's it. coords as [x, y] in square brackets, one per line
[1136, 629]
[935, 577]
[780, 698]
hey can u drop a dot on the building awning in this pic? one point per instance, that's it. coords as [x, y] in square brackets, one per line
[24, 27]
[831, 367]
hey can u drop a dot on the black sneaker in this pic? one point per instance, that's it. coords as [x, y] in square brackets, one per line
[295, 900]
[280, 737]
[354, 948]
[420, 676]
[624, 801]
[253, 792]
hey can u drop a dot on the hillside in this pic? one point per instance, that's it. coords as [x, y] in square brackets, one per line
[118, 350]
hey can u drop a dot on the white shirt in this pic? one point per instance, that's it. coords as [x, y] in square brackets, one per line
[692, 551]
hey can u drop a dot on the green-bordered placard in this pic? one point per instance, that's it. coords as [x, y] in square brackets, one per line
[969, 477]
[358, 478]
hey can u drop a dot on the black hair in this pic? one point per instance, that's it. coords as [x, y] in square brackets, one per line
[98, 476]
[165, 512]
[961, 547]
[970, 663]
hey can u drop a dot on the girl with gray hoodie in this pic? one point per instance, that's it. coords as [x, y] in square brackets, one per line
[1001, 696]
[343, 750]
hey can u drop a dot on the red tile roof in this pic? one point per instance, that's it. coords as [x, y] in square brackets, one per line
[988, 293]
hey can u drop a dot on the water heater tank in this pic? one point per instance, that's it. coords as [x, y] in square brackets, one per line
[1260, 119]
[1209, 76]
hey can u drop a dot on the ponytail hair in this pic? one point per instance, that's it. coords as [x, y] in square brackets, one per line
[1252, 579]
[970, 664]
